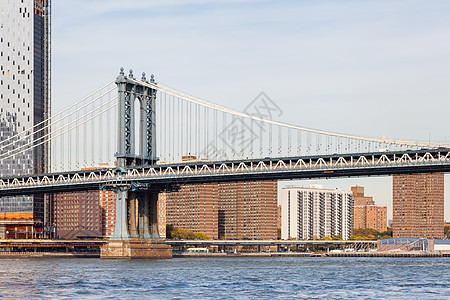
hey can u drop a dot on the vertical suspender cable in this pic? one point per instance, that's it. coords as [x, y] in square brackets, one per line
[62, 148]
[216, 132]
[173, 128]
[225, 134]
[92, 122]
[251, 139]
[279, 140]
[101, 134]
[195, 133]
[77, 142]
[189, 135]
[181, 128]
[108, 137]
[169, 126]
[69, 142]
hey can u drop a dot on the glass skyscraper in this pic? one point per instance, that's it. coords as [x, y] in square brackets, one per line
[24, 95]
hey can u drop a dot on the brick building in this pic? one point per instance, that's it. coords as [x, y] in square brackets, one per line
[418, 205]
[161, 210]
[84, 213]
[76, 212]
[231, 210]
[108, 210]
[365, 213]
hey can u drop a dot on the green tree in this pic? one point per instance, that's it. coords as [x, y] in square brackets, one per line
[387, 233]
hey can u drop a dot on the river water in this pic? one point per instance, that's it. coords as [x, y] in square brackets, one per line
[227, 278]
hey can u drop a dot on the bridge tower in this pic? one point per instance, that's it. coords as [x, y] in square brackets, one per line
[136, 228]
[134, 92]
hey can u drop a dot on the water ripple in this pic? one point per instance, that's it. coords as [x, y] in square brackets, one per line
[226, 278]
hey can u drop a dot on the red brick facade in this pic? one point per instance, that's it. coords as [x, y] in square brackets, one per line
[233, 210]
[366, 214]
[418, 205]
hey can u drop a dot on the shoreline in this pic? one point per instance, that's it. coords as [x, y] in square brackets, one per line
[231, 255]
[302, 254]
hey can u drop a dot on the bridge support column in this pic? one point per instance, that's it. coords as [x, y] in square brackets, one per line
[132, 220]
[136, 231]
[153, 207]
[121, 226]
[144, 225]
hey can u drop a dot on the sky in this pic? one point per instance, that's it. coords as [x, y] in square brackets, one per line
[368, 68]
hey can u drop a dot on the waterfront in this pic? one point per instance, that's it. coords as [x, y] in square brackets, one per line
[190, 278]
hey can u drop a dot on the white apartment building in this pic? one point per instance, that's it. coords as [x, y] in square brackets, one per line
[314, 212]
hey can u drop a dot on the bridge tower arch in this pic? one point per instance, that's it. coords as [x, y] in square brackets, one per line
[136, 92]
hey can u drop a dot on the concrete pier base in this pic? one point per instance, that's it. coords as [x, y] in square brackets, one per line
[136, 248]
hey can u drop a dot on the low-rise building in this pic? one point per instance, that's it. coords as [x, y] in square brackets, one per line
[366, 214]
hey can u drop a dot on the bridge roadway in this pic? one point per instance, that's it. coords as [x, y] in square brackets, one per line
[319, 166]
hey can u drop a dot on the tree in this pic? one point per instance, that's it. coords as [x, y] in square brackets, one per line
[182, 234]
[387, 233]
[201, 236]
[169, 229]
[371, 234]
[176, 233]
[365, 232]
[336, 237]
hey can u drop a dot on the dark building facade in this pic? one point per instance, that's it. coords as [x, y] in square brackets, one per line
[24, 97]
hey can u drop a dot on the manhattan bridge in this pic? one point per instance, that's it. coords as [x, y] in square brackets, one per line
[129, 135]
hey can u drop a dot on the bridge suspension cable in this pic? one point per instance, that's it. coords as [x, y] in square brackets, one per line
[48, 120]
[51, 136]
[84, 134]
[195, 100]
[197, 128]
[63, 132]
[29, 132]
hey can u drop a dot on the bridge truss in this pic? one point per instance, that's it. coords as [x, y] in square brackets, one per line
[359, 164]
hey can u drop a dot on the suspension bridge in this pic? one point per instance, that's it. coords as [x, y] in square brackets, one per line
[130, 136]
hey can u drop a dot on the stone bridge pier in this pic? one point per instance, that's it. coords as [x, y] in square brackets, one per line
[136, 228]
